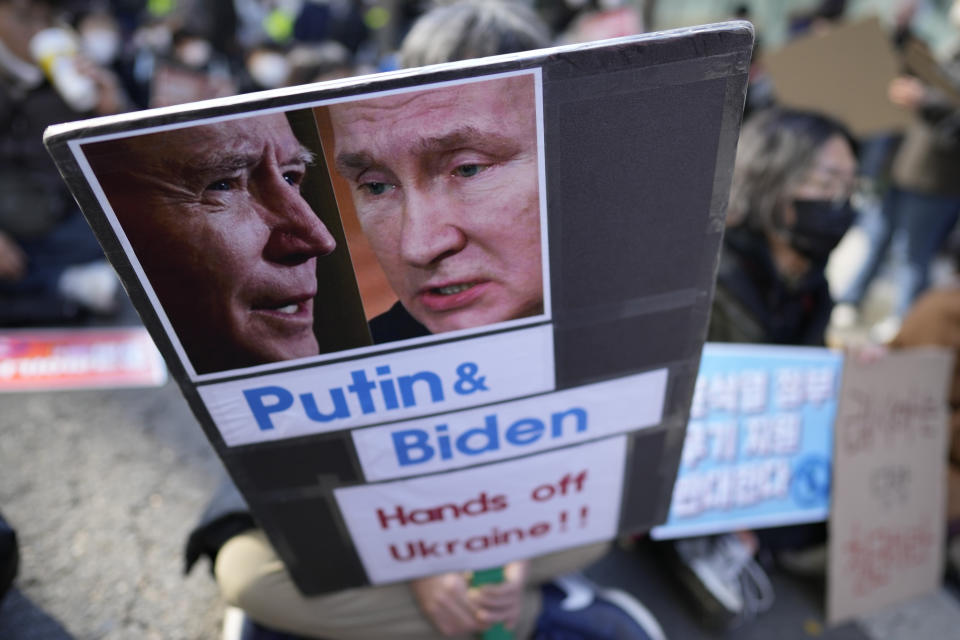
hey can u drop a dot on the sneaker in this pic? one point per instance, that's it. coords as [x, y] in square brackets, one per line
[576, 609]
[844, 316]
[885, 330]
[723, 577]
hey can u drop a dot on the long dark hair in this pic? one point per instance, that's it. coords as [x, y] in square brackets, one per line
[777, 147]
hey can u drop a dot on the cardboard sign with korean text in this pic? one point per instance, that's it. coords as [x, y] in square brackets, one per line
[888, 518]
[440, 318]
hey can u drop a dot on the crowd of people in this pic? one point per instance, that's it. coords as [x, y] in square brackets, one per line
[794, 181]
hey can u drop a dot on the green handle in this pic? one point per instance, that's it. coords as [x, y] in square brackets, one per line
[492, 576]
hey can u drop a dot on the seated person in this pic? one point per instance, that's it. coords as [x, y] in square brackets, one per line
[789, 207]
[417, 191]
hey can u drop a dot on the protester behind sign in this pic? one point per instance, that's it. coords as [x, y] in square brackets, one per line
[789, 207]
[465, 30]
[248, 570]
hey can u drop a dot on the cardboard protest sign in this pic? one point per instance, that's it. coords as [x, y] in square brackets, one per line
[887, 522]
[758, 446]
[548, 224]
[843, 72]
[46, 359]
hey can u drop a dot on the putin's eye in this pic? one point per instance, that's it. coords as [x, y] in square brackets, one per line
[375, 188]
[468, 170]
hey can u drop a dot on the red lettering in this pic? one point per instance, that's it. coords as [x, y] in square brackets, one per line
[875, 556]
[496, 537]
[869, 421]
[483, 503]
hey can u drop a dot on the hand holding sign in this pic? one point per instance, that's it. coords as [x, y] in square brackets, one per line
[455, 607]
[445, 600]
[500, 601]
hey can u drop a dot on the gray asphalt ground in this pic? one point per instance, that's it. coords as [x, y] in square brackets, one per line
[102, 488]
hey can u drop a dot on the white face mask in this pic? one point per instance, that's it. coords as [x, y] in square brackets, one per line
[268, 69]
[195, 53]
[100, 45]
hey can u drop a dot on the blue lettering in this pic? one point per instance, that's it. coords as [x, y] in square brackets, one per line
[406, 387]
[283, 400]
[557, 420]
[413, 446]
[488, 432]
[388, 390]
[340, 409]
[443, 441]
[415, 440]
[524, 431]
[362, 387]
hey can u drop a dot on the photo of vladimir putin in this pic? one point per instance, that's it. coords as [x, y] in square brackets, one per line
[445, 186]
[216, 218]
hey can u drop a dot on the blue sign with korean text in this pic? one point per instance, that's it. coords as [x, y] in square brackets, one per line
[758, 445]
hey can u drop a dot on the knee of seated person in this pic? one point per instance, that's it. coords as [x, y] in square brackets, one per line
[245, 566]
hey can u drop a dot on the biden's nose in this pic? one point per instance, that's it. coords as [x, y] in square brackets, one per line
[296, 233]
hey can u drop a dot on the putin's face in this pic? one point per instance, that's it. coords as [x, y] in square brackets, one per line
[445, 183]
[216, 219]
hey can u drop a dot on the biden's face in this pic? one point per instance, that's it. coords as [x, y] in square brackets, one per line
[216, 219]
[445, 183]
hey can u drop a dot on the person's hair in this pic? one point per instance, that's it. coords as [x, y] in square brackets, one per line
[776, 148]
[310, 62]
[472, 29]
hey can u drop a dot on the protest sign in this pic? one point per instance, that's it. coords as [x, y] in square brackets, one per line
[887, 523]
[549, 225]
[758, 446]
[488, 515]
[48, 359]
[843, 72]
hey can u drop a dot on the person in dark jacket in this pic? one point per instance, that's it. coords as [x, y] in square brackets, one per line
[535, 598]
[789, 207]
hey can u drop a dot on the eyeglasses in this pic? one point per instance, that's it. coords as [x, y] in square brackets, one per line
[828, 183]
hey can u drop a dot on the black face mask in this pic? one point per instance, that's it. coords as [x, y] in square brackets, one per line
[819, 227]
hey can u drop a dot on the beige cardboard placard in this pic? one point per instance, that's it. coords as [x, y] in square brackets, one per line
[887, 521]
[844, 73]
